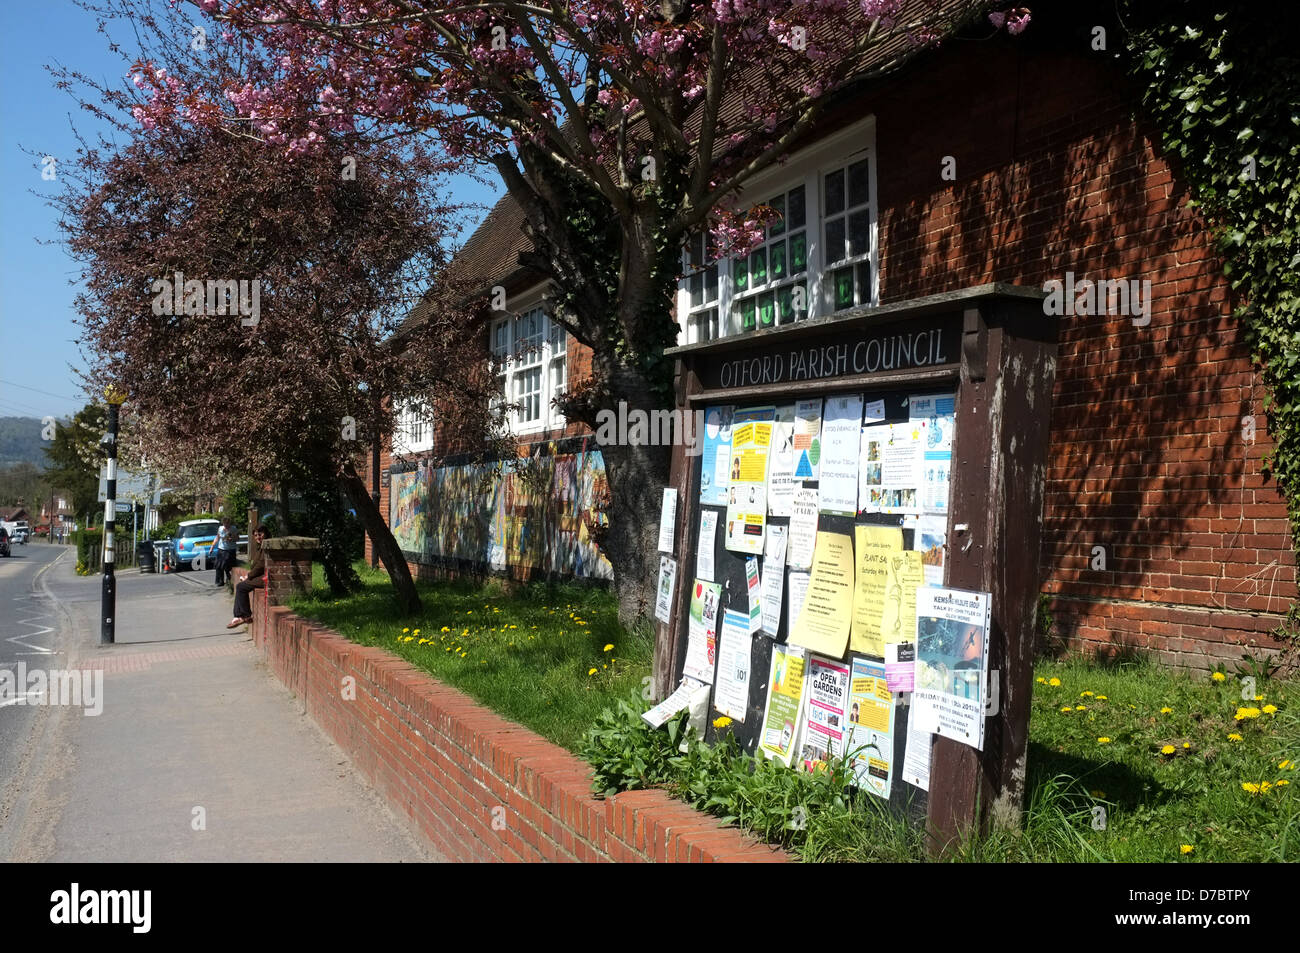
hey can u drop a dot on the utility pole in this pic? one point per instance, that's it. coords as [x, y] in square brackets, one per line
[109, 600]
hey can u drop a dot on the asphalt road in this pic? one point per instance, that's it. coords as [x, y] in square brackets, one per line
[29, 625]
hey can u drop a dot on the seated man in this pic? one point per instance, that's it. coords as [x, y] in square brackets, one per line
[255, 579]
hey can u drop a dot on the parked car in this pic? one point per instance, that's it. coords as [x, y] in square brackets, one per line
[193, 538]
[4, 541]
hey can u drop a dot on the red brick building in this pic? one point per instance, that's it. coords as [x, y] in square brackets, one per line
[1014, 161]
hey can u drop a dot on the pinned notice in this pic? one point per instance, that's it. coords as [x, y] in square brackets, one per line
[823, 625]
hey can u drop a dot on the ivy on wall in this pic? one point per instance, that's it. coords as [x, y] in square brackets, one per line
[1221, 80]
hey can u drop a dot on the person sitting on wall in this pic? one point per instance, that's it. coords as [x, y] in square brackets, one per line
[256, 579]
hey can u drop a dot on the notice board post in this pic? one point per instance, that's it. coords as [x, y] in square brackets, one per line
[993, 350]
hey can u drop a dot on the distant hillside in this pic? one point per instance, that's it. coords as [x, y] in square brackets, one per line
[20, 441]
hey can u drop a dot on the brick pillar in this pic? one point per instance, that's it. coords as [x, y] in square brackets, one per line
[288, 567]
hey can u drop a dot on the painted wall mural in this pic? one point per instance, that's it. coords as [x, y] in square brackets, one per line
[536, 514]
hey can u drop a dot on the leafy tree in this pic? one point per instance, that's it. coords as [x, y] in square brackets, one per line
[75, 456]
[621, 127]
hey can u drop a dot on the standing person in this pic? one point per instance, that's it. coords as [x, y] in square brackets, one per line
[224, 547]
[256, 579]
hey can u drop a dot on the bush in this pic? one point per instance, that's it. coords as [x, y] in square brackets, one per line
[88, 543]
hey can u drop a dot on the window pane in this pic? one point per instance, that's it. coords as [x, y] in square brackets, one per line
[864, 282]
[785, 306]
[843, 288]
[765, 314]
[859, 232]
[834, 241]
[711, 283]
[835, 192]
[697, 289]
[740, 271]
[747, 314]
[777, 254]
[778, 204]
[796, 217]
[758, 266]
[858, 191]
[799, 252]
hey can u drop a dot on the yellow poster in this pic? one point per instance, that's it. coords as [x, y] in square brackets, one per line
[906, 573]
[751, 439]
[876, 546]
[823, 625]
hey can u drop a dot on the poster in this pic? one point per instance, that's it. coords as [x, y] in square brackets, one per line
[784, 698]
[731, 689]
[916, 756]
[773, 578]
[807, 439]
[751, 439]
[900, 666]
[824, 710]
[702, 631]
[667, 583]
[798, 595]
[685, 694]
[892, 453]
[715, 457]
[704, 551]
[753, 586]
[906, 576]
[841, 443]
[668, 520]
[935, 417]
[803, 528]
[823, 625]
[876, 546]
[952, 650]
[873, 411]
[780, 468]
[929, 539]
[870, 739]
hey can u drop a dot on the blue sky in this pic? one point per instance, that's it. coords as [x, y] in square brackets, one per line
[37, 333]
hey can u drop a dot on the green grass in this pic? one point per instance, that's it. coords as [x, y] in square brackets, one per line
[526, 654]
[1163, 779]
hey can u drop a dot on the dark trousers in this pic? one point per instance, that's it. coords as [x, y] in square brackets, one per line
[242, 589]
[225, 561]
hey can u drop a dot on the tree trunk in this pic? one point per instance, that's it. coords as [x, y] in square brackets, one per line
[382, 539]
[281, 507]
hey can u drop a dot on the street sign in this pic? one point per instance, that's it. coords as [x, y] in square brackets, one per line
[124, 507]
[130, 486]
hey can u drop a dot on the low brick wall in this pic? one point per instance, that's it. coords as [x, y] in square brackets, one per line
[481, 788]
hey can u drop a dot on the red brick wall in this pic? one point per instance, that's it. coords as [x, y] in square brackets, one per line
[480, 788]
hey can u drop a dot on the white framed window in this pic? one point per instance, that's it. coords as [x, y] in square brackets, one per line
[819, 257]
[530, 364]
[414, 431]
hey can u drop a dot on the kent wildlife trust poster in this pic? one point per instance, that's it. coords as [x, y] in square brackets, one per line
[952, 652]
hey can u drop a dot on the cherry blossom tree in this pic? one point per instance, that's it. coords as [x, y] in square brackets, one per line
[621, 127]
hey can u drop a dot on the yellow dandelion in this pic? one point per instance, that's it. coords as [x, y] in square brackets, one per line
[1054, 682]
[1166, 711]
[1264, 786]
[1102, 698]
[591, 671]
[1066, 710]
[417, 631]
[1103, 740]
[1080, 707]
[1283, 783]
[404, 631]
[1085, 694]
[1250, 787]
[1243, 713]
[445, 629]
[1186, 848]
[1040, 680]
[1187, 744]
[608, 648]
[1168, 749]
[1286, 764]
[721, 721]
[1218, 676]
[1269, 709]
[1259, 698]
[1234, 737]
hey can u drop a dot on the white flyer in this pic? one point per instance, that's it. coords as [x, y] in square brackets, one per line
[704, 551]
[667, 582]
[803, 528]
[754, 584]
[731, 689]
[780, 467]
[807, 439]
[798, 593]
[682, 697]
[773, 578]
[929, 539]
[936, 420]
[841, 444]
[702, 631]
[873, 411]
[916, 756]
[668, 520]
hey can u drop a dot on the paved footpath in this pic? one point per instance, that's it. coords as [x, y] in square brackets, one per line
[200, 754]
